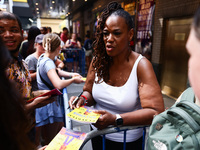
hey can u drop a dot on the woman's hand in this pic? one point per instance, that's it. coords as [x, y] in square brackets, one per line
[74, 74]
[39, 102]
[77, 104]
[105, 119]
[78, 79]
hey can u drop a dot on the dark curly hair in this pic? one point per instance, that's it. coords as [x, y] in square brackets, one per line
[102, 61]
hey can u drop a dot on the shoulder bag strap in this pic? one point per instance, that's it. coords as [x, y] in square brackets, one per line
[188, 95]
[47, 84]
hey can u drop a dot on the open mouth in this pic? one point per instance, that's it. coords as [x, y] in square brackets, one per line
[10, 43]
[109, 47]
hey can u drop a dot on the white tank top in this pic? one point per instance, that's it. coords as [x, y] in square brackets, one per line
[119, 100]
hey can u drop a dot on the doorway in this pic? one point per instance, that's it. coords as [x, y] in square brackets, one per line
[175, 57]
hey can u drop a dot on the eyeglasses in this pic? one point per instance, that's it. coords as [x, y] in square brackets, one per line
[40, 44]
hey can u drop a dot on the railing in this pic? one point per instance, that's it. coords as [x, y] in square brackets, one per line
[68, 123]
[109, 130]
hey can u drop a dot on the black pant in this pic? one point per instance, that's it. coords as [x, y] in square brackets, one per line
[97, 144]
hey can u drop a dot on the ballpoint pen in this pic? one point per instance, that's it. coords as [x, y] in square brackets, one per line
[76, 99]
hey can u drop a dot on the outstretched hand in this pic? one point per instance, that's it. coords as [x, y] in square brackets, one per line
[105, 119]
[44, 100]
[78, 79]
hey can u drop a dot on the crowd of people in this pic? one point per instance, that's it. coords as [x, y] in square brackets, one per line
[121, 84]
[71, 44]
[23, 73]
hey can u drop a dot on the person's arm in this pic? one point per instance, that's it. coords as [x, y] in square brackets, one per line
[67, 74]
[37, 103]
[87, 91]
[150, 97]
[59, 83]
[33, 74]
[59, 63]
[68, 44]
[31, 67]
[79, 44]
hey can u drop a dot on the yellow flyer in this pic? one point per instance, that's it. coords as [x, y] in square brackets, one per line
[67, 140]
[84, 114]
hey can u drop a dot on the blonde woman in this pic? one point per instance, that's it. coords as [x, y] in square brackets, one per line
[50, 117]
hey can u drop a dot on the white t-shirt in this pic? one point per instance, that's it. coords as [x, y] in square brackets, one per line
[119, 100]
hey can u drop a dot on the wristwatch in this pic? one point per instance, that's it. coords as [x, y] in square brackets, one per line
[119, 120]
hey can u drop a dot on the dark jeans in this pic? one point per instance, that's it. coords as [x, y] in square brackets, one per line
[97, 144]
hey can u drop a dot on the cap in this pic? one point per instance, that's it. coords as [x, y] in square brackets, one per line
[39, 38]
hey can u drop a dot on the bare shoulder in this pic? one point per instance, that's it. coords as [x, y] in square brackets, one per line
[145, 70]
[144, 64]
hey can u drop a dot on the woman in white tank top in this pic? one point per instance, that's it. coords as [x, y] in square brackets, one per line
[120, 83]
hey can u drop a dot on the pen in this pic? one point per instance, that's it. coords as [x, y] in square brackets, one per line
[76, 99]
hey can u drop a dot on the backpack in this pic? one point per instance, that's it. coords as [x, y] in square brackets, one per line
[177, 128]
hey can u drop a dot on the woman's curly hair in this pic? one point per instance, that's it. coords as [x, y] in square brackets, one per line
[102, 61]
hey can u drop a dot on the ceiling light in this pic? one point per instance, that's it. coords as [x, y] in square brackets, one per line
[30, 20]
[36, 3]
[51, 7]
[53, 2]
[37, 8]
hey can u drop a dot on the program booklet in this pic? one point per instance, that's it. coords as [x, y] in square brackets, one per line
[67, 140]
[53, 92]
[84, 114]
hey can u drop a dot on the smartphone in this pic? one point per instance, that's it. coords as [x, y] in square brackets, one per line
[53, 92]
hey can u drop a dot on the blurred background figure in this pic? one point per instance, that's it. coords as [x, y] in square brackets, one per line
[49, 30]
[43, 30]
[27, 47]
[64, 35]
[32, 59]
[88, 50]
[74, 44]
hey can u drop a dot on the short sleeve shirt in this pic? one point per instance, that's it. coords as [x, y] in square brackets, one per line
[43, 66]
[31, 61]
[88, 44]
[63, 37]
[18, 72]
